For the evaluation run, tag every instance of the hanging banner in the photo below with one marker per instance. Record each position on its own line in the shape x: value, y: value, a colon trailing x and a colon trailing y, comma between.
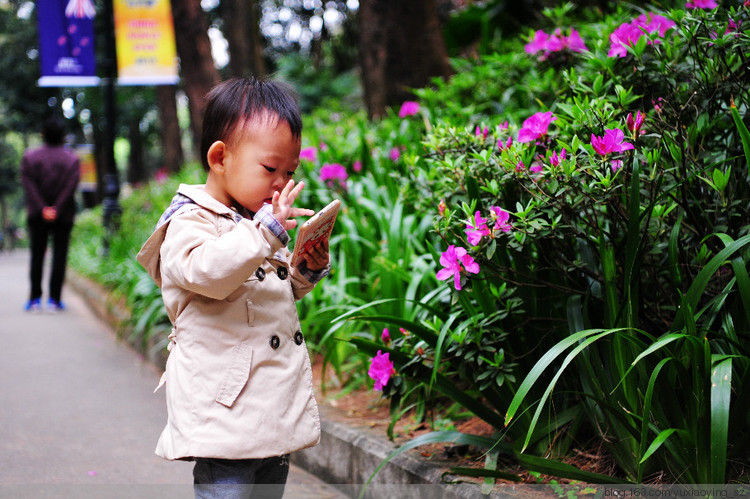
x: 66, y: 43
x: 144, y: 33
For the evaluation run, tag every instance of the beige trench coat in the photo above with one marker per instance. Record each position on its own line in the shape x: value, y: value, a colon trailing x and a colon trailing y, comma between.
x: 238, y: 377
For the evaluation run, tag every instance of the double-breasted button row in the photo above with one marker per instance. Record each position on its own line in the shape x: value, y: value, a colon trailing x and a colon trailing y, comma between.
x: 275, y: 341
x: 282, y: 272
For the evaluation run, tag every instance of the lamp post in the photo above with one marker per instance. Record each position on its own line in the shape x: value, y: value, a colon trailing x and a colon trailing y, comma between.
x: 110, y: 204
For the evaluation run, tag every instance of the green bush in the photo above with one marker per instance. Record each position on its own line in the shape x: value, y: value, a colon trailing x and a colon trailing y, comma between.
x: 624, y: 250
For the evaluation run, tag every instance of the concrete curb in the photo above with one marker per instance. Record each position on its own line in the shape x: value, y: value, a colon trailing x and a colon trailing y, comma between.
x: 346, y: 454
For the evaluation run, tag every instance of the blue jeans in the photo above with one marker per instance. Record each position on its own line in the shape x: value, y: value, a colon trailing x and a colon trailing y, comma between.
x: 240, y: 478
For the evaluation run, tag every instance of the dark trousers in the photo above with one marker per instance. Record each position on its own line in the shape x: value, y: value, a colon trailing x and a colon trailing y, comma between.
x: 39, y: 234
x: 240, y: 478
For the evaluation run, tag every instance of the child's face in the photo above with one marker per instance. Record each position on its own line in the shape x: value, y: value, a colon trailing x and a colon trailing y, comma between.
x: 259, y: 161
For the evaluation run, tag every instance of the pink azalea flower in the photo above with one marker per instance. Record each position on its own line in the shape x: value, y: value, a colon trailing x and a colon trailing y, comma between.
x: 535, y: 126
x: 536, y: 168
x: 505, y: 125
x: 501, y: 219
x: 635, y: 124
x: 309, y: 154
x: 357, y: 166
x: 612, y: 141
x: 701, y: 4
x: 627, y: 34
x: 385, y: 336
x: 476, y: 229
x: 574, y: 41
x: 394, y: 154
x: 381, y: 370
x: 538, y: 43
x: 483, y: 133
x: 456, y: 260
x: 507, y: 144
x: 616, y: 165
x: 555, y: 160
x: 408, y: 108
x: 520, y: 166
x: 332, y: 174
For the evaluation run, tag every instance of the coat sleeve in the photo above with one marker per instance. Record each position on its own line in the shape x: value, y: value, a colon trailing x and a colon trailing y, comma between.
x: 34, y: 200
x: 67, y: 190
x: 197, y: 257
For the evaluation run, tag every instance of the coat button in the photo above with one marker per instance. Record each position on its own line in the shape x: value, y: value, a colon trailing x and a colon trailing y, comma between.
x: 275, y: 342
x: 282, y: 272
x: 298, y: 338
x: 260, y: 274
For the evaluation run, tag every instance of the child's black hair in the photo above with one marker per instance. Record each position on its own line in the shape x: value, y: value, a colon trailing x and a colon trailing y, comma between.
x: 236, y: 101
x: 53, y: 132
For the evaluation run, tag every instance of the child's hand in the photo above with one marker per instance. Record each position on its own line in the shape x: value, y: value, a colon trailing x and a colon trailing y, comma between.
x: 282, y: 205
x: 317, y: 257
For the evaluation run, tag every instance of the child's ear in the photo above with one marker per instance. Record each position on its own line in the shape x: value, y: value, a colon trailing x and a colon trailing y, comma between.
x: 216, y: 156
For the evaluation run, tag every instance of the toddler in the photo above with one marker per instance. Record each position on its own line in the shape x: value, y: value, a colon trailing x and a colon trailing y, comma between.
x: 238, y: 378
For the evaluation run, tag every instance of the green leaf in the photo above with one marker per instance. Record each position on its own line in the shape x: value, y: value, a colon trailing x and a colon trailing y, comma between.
x: 564, y: 470
x: 721, y: 394
x: 743, y: 131
x: 659, y: 440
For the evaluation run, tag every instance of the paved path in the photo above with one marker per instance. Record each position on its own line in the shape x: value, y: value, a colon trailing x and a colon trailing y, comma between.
x: 78, y: 418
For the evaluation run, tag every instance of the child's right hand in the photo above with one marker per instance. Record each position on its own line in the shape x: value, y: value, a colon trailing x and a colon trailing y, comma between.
x: 282, y: 205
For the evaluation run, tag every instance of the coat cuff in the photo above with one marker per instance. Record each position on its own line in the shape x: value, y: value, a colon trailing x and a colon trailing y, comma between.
x: 265, y: 216
x: 314, y: 276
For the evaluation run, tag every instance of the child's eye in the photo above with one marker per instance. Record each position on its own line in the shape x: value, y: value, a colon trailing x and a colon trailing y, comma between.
x: 291, y: 173
x: 269, y: 169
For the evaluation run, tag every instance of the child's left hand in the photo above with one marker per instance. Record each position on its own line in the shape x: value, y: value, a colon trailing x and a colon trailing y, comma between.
x: 317, y: 257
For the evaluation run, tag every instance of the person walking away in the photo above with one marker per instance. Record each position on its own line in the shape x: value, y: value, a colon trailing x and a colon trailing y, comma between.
x: 238, y: 378
x: 50, y: 175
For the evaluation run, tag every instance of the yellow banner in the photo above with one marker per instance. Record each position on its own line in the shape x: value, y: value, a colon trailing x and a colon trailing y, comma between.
x: 144, y: 34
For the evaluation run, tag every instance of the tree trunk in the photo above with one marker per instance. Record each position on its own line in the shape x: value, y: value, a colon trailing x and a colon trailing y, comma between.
x: 197, y: 69
x: 401, y: 48
x: 166, y: 98
x: 242, y: 31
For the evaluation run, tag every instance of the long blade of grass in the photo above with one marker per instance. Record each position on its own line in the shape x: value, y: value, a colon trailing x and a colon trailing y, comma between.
x: 646, y: 415
x: 542, y: 364
x: 743, y: 131
x: 698, y: 286
x: 721, y: 393
x: 563, y: 470
x: 660, y: 439
x: 568, y: 359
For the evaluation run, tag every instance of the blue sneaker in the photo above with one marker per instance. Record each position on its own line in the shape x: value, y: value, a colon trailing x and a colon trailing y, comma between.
x: 55, y: 306
x: 34, y: 305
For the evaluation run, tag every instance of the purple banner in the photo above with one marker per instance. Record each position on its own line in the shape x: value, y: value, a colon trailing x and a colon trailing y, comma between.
x: 66, y: 43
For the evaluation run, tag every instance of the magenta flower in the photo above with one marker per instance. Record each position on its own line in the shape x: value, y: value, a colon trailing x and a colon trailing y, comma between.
x: 476, y: 229
x: 635, y: 124
x: 535, y: 126
x: 309, y: 154
x: 612, y: 141
x: 394, y: 154
x: 507, y: 144
x: 520, y: 166
x: 385, y: 336
x: 557, y: 42
x: 556, y: 159
x: 483, y: 133
x: 536, y: 168
x: 381, y: 370
x: 332, y: 174
x: 357, y: 166
x: 538, y: 43
x: 456, y: 260
x: 501, y: 219
x: 408, y: 108
x: 616, y: 165
x: 627, y: 34
x: 701, y: 4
